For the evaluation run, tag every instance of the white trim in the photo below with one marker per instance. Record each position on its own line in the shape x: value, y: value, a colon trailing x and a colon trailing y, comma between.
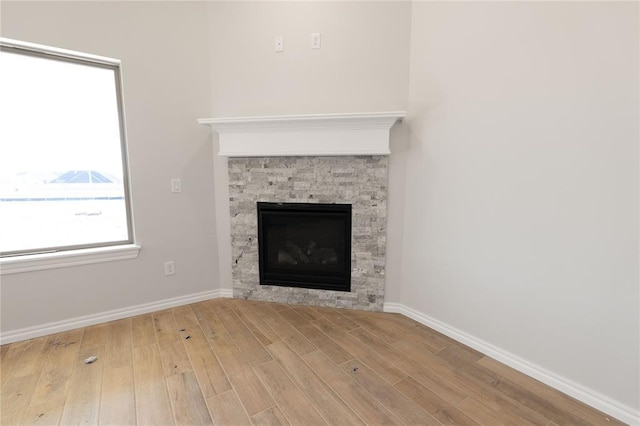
x: 226, y: 293
x: 305, y: 135
x: 64, y: 259
x: 301, y: 153
x: 310, y: 121
x: 55, y: 51
x: 577, y: 391
x: 87, y: 320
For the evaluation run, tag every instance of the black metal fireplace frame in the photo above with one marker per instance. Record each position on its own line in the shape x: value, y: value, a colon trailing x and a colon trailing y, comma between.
x: 323, y: 281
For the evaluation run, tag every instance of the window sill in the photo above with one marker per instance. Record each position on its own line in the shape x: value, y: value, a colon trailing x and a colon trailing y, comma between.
x: 64, y: 259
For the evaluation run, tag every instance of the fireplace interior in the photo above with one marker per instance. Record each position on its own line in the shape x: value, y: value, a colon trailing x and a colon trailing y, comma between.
x: 305, y: 245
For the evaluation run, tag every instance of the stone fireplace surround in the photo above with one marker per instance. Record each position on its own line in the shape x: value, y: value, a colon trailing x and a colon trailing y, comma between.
x: 338, y: 158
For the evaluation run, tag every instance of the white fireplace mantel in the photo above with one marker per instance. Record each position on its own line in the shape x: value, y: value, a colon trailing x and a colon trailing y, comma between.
x: 305, y: 135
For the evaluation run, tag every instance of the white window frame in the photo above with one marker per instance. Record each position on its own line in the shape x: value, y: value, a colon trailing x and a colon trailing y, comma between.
x: 65, y: 256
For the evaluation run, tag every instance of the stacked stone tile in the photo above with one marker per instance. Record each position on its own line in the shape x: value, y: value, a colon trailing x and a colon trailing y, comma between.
x: 357, y: 180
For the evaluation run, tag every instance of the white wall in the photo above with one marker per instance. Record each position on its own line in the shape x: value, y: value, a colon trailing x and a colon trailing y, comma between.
x: 362, y: 66
x: 163, y: 48
x: 521, y: 204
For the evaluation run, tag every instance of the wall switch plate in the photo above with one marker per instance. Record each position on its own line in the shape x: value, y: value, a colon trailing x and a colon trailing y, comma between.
x: 176, y: 185
x: 316, y: 39
x: 279, y: 44
x: 169, y: 268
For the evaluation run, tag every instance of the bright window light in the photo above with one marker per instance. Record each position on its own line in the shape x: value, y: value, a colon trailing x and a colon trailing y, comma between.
x: 63, y: 168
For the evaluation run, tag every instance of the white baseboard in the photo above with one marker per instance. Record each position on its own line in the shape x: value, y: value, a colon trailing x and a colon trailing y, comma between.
x: 579, y: 392
x: 72, y: 323
x: 226, y: 292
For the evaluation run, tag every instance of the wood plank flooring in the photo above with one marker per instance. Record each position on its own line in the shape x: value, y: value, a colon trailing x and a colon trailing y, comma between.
x: 237, y: 362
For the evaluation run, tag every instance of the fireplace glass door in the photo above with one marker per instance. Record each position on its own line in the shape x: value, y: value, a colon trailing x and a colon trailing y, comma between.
x: 305, y: 245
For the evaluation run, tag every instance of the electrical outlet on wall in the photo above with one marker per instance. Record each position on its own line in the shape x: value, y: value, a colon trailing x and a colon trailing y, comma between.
x: 176, y: 185
x: 316, y: 40
x: 279, y: 44
x: 169, y: 268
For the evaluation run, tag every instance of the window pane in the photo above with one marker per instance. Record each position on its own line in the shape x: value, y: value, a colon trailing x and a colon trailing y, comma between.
x: 62, y: 180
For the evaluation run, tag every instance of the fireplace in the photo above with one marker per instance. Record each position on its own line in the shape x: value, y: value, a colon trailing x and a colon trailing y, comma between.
x: 305, y: 245
x: 319, y: 159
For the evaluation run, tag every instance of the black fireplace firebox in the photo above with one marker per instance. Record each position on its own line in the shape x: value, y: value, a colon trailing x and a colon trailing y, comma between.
x: 305, y: 245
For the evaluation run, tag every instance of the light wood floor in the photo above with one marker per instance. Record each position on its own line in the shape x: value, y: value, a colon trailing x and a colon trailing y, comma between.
x: 236, y: 362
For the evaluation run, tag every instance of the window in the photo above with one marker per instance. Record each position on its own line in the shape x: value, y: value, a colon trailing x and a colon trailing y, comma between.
x: 63, y: 163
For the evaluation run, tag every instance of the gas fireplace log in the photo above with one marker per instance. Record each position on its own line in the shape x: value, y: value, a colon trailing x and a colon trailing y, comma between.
x: 324, y: 256
x: 285, y: 258
x: 296, y: 252
x: 313, y: 255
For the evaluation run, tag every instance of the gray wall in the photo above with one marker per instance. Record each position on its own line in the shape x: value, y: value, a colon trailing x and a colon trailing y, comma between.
x: 521, y: 203
x: 163, y: 47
